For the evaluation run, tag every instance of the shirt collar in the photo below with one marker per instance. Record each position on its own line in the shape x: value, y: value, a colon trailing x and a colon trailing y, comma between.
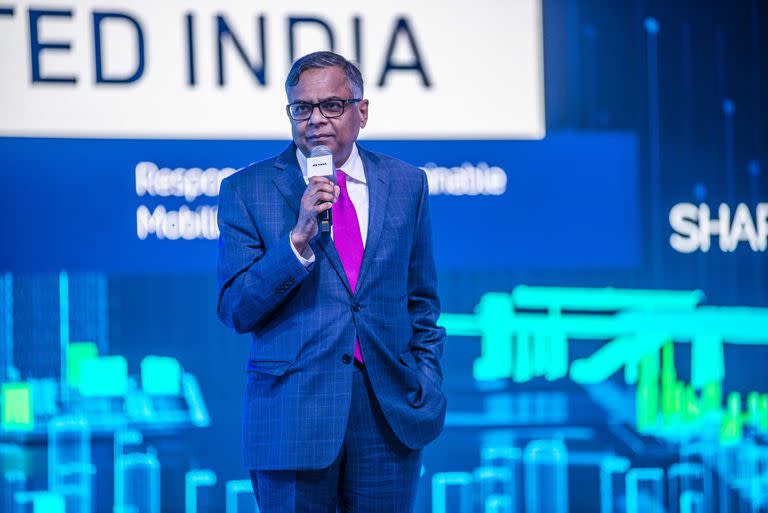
x: 353, y: 167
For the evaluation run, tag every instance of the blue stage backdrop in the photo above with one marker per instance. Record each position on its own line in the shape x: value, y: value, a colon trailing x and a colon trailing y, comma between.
x: 600, y: 222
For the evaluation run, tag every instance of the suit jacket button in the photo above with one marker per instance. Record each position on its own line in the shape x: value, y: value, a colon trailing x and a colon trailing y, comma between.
x: 346, y: 358
x: 356, y: 307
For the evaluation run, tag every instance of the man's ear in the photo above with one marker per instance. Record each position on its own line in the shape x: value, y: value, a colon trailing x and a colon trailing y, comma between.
x: 362, y: 107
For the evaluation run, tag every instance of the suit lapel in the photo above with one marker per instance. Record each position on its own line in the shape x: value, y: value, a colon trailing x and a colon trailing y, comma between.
x: 378, y: 192
x: 325, y: 243
x: 290, y: 183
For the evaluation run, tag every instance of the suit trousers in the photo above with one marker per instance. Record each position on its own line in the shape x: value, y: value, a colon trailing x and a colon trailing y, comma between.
x: 373, y: 473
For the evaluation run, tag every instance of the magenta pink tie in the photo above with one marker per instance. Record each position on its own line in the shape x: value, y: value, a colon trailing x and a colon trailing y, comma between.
x: 347, y: 238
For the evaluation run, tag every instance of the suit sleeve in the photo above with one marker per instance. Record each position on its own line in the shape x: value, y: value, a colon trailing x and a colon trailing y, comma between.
x: 253, y: 279
x: 423, y: 304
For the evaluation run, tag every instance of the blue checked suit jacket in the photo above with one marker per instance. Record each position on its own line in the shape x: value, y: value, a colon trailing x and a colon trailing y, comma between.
x: 303, y: 321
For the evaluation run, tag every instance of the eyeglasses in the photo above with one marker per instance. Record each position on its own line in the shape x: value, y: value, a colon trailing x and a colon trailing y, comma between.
x: 302, y: 111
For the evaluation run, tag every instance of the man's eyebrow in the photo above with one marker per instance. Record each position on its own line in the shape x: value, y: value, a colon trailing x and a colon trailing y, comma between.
x: 320, y: 101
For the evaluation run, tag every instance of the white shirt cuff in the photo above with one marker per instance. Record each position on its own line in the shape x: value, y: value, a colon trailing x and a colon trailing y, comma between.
x: 306, y: 262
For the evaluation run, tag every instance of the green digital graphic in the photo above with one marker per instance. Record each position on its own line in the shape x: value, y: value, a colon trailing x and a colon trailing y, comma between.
x: 526, y: 335
x: 78, y: 353
x: 17, y: 410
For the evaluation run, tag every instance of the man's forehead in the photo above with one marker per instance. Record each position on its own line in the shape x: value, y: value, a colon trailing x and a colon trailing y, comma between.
x: 319, y: 84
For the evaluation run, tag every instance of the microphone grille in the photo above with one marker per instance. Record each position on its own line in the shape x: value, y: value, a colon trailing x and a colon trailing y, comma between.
x: 320, y: 151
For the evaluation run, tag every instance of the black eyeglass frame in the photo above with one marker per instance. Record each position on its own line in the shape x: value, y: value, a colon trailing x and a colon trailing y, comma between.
x: 318, y: 105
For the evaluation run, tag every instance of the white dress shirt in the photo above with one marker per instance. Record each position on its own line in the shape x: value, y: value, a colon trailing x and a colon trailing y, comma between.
x: 357, y: 187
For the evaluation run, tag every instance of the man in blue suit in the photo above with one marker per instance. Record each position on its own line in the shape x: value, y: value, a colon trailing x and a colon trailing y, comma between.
x: 344, y: 376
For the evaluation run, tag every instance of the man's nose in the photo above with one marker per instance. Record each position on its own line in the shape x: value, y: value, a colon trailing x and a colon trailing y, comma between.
x: 316, y: 117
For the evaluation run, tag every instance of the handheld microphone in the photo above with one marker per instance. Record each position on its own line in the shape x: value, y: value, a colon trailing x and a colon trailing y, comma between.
x: 320, y: 163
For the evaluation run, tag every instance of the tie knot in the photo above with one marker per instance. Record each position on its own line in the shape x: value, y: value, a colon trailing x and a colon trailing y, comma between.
x: 341, y: 178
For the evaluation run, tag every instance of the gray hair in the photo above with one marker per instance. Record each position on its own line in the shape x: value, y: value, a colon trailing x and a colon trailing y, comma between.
x: 317, y: 60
